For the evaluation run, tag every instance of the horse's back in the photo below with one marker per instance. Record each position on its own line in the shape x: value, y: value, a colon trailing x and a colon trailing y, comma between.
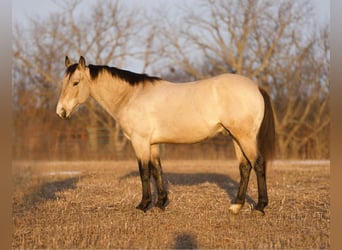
x: 228, y: 87
x: 232, y: 93
x: 223, y: 95
x: 234, y: 84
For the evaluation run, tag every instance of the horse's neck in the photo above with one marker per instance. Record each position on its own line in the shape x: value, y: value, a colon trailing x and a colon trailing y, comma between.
x: 112, y: 96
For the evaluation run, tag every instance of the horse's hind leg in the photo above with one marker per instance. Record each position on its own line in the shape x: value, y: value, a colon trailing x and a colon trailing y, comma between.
x: 247, y: 152
x: 245, y: 170
x: 157, y: 173
x: 260, y: 170
x: 239, y: 201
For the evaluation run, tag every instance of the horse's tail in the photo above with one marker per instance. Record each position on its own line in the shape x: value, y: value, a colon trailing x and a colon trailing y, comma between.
x: 266, y: 135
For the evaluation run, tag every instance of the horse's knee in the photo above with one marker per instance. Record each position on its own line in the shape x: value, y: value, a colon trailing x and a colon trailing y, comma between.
x: 144, y: 171
x: 155, y: 159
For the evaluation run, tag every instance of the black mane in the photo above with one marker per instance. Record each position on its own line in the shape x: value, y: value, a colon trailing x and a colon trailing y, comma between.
x: 128, y: 76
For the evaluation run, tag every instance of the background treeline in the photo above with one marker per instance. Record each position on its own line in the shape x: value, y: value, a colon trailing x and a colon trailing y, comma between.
x: 277, y: 43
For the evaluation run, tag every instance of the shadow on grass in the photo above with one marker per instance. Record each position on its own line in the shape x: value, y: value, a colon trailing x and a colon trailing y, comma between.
x: 185, y: 241
x: 49, y: 190
x: 225, y: 182
x: 46, y: 191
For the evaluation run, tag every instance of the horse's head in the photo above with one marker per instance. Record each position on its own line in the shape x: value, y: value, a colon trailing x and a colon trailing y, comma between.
x: 75, y: 88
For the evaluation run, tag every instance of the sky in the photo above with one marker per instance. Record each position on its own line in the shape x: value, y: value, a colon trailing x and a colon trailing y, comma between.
x: 22, y: 9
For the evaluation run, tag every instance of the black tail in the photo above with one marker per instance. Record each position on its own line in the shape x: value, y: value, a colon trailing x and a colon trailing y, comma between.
x: 266, y: 135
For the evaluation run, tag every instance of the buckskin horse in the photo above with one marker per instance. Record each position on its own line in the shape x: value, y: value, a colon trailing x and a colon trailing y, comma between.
x: 152, y: 111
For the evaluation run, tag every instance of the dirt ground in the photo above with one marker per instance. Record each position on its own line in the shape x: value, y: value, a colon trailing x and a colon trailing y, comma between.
x: 92, y: 205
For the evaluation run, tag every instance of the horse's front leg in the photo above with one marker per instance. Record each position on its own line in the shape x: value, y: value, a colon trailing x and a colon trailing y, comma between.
x: 145, y: 173
x: 142, y: 150
x: 157, y: 173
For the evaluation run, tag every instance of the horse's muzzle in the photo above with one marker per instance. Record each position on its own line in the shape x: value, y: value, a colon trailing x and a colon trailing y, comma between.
x: 62, y: 114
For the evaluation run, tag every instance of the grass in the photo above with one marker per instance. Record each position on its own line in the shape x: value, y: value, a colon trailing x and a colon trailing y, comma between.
x: 95, y: 208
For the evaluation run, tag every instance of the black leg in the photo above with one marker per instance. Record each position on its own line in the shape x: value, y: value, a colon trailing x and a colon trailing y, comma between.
x: 260, y: 170
x: 245, y: 170
x: 145, y: 173
x: 157, y: 173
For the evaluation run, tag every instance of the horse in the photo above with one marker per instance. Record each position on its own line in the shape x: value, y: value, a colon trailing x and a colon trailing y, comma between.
x: 153, y: 111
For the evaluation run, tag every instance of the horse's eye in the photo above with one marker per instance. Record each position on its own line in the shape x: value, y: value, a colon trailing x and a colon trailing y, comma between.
x: 75, y: 84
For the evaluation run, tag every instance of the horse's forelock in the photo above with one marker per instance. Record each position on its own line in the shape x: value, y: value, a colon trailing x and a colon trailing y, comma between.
x: 71, y: 69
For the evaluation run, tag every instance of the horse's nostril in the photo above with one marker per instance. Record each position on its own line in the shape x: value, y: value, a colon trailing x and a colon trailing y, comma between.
x: 62, y: 114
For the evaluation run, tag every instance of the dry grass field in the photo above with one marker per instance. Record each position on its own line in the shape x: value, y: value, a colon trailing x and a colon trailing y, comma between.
x: 92, y: 205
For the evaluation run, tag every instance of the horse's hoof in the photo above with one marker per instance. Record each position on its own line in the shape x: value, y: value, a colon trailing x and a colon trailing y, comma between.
x: 235, y: 208
x: 140, y: 207
x: 143, y: 206
x: 259, y: 209
x: 162, y: 203
x: 161, y: 207
x: 258, y: 212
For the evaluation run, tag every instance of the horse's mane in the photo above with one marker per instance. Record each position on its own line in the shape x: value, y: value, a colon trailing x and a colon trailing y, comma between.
x: 128, y: 76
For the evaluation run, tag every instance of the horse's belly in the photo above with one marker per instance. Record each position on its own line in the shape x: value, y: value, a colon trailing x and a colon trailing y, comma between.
x: 185, y: 134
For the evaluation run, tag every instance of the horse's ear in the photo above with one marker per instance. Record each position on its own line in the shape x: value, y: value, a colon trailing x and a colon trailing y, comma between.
x: 82, y: 62
x: 67, y: 61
